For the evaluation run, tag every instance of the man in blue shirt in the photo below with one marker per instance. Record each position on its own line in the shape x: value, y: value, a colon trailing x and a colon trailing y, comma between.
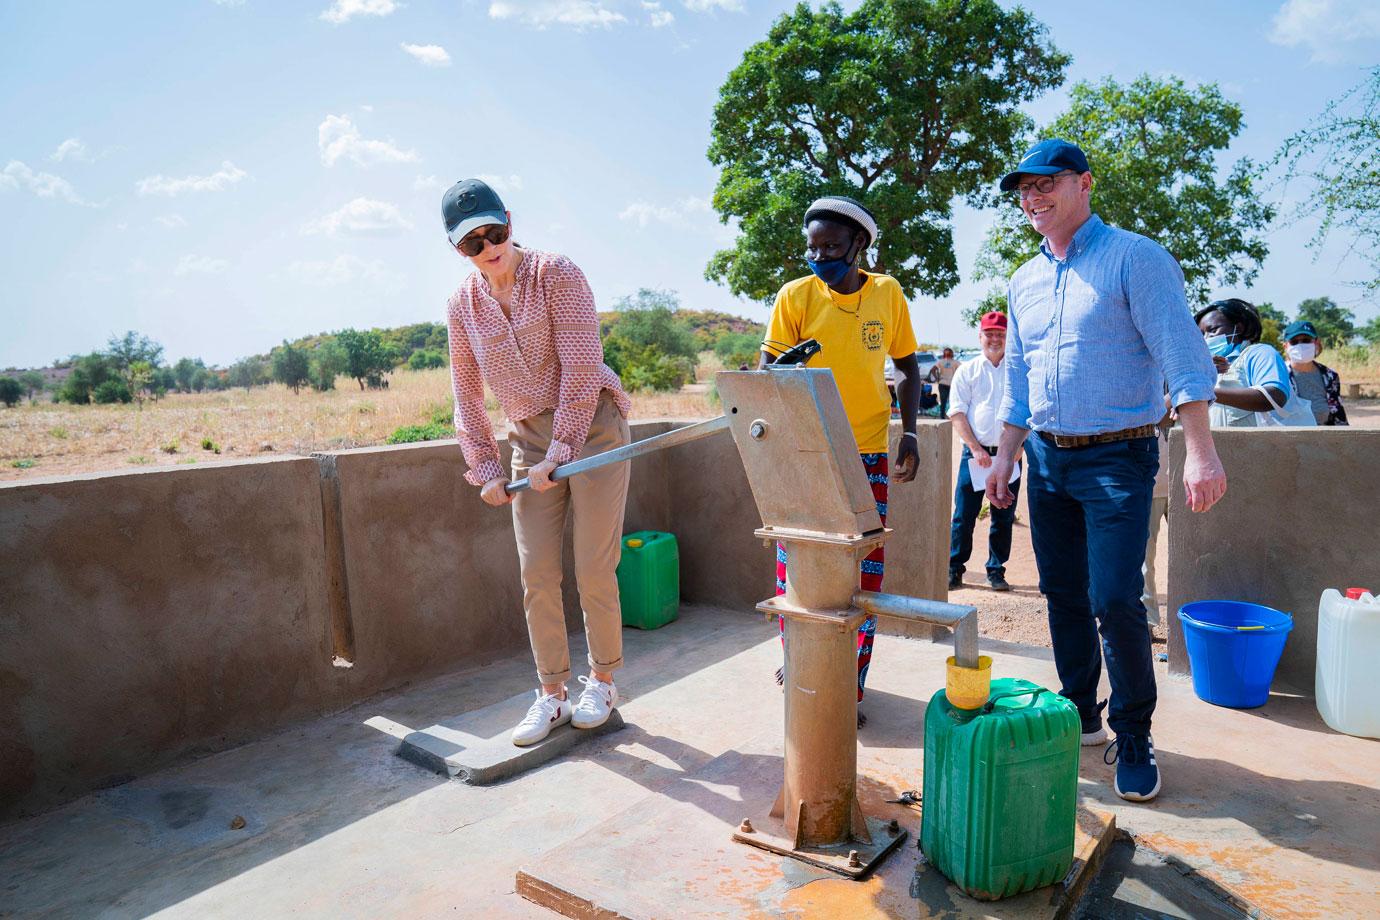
x: 1099, y: 328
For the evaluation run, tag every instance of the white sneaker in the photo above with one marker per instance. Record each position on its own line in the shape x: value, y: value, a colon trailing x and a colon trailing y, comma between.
x: 548, y: 712
x: 1088, y: 739
x: 597, y: 700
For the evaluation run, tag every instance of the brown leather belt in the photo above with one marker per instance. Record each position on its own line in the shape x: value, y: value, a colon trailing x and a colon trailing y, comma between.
x: 1107, y: 437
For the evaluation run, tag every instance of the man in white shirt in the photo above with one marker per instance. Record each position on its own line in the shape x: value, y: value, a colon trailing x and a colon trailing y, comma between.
x: 978, y: 388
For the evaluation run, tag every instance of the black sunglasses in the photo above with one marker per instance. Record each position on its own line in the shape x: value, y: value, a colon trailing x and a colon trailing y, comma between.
x: 473, y: 244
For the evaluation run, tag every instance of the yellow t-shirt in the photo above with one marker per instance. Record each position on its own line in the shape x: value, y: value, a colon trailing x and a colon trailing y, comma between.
x: 856, y: 333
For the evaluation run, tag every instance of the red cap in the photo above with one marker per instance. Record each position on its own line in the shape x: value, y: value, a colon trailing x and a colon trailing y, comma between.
x: 993, y: 320
x: 1354, y: 594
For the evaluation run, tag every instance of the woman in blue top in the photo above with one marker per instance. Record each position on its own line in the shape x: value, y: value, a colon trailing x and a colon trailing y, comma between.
x: 1253, y: 379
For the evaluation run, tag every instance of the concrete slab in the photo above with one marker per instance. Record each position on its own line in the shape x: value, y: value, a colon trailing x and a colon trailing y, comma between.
x: 1267, y: 804
x: 656, y: 858
x: 477, y: 747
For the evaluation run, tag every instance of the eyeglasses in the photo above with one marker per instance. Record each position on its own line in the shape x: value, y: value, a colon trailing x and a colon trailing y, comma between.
x: 1044, y: 185
x: 473, y: 244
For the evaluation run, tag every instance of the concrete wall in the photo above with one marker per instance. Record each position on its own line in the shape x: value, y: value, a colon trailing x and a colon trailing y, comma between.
x: 146, y: 615
x: 1301, y: 514
x: 151, y: 614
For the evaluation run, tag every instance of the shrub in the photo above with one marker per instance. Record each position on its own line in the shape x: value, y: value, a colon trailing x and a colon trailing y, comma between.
x: 425, y: 360
x: 111, y: 391
x: 411, y: 434
x: 24, y: 463
x: 208, y: 444
x: 11, y: 391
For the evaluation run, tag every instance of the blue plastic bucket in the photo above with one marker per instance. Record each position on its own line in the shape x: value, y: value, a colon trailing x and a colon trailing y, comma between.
x: 1233, y: 648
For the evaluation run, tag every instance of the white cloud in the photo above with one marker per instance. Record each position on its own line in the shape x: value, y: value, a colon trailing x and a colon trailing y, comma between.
x: 430, y: 55
x: 227, y: 175
x: 427, y: 184
x: 345, y: 10
x: 338, y: 137
x: 643, y: 213
x: 45, y: 185
x: 578, y: 14
x: 363, y: 216
x: 71, y: 149
x: 658, y: 16
x: 345, y: 269
x: 171, y: 221
x: 501, y: 184
x: 704, y: 6
x: 200, y: 265
x: 1328, y: 28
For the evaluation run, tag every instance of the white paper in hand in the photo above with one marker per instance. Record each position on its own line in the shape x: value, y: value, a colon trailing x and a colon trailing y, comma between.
x: 979, y: 474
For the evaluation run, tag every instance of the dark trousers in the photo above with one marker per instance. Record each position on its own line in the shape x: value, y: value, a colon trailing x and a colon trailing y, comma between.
x: 967, y: 504
x: 943, y: 400
x: 1089, y: 520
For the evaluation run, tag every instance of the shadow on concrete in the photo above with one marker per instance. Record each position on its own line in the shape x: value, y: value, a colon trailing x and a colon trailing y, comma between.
x: 1326, y: 819
x: 1294, y: 709
x: 1136, y: 883
x: 164, y: 838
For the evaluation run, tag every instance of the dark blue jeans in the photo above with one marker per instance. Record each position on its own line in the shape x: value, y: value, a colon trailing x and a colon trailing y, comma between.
x: 1089, y: 520
x: 967, y: 504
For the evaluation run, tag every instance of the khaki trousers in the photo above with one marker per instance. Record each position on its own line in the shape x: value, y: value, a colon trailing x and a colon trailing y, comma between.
x: 597, y: 499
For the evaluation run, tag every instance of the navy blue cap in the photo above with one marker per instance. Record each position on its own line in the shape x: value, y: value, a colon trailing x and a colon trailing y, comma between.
x: 1045, y: 159
x: 1300, y: 327
x: 468, y: 204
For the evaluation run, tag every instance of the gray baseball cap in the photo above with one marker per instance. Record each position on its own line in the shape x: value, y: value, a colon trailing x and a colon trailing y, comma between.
x: 468, y: 204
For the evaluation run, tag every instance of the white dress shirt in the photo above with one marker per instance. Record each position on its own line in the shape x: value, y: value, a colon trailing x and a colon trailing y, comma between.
x: 978, y: 389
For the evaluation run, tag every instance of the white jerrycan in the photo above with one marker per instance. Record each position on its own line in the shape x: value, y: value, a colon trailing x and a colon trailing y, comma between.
x: 1347, y: 679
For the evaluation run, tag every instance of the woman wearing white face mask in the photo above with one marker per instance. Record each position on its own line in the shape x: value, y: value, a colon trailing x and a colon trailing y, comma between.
x: 1253, y: 381
x: 1314, y: 382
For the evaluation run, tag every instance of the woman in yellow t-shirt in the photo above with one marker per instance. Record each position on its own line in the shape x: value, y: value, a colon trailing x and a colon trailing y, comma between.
x: 859, y: 319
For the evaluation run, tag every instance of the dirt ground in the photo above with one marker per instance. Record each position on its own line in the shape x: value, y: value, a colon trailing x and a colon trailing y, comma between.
x: 1019, y: 616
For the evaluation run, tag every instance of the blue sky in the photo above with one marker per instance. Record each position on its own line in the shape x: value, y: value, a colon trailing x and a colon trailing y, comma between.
x: 223, y: 174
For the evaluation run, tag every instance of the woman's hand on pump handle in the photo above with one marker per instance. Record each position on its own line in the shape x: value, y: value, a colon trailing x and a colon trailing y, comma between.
x: 493, y: 492
x: 540, y: 475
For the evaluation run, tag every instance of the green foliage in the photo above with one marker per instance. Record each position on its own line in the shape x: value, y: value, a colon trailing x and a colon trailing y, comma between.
x: 33, y: 383
x: 60, y: 433
x: 24, y: 463
x: 1268, y: 310
x: 647, y: 344
x: 432, y: 431
x: 737, y: 348
x: 328, y: 362
x: 1336, y: 325
x: 88, y: 373
x: 11, y: 391
x: 171, y: 447
x: 904, y: 104
x: 111, y: 391
x: 1152, y: 146
x: 425, y: 359
x: 134, y: 358
x: 994, y: 299
x: 1371, y: 331
x: 368, y: 358
x: 248, y: 372
x: 139, y: 460
x: 290, y: 366
x: 208, y: 444
x: 1338, y: 158
x: 185, y: 372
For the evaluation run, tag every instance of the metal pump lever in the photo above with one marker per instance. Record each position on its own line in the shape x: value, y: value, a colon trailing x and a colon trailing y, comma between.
x: 629, y: 451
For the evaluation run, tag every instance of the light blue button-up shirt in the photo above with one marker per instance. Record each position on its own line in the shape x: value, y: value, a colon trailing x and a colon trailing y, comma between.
x: 1095, y: 336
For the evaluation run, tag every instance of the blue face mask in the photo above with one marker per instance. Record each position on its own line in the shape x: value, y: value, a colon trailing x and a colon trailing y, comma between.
x: 830, y: 271
x: 1220, y: 346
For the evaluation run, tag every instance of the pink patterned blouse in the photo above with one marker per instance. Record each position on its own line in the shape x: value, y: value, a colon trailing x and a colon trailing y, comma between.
x: 548, y: 356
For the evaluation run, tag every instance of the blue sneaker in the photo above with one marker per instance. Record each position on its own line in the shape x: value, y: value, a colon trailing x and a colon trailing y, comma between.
x: 1137, y: 777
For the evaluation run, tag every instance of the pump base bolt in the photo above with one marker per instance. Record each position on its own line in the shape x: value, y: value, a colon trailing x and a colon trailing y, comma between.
x: 745, y: 827
x: 853, y: 861
x: 894, y: 827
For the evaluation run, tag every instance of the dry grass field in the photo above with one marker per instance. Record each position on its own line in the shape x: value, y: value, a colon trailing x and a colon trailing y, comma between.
x: 48, y: 439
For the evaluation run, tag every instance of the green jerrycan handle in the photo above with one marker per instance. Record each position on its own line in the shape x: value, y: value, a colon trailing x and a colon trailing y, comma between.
x: 991, y: 703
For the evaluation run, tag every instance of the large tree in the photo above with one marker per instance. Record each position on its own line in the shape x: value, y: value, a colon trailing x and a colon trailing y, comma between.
x: 1336, y: 325
x: 1152, y: 146
x: 1337, y: 160
x: 904, y: 104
